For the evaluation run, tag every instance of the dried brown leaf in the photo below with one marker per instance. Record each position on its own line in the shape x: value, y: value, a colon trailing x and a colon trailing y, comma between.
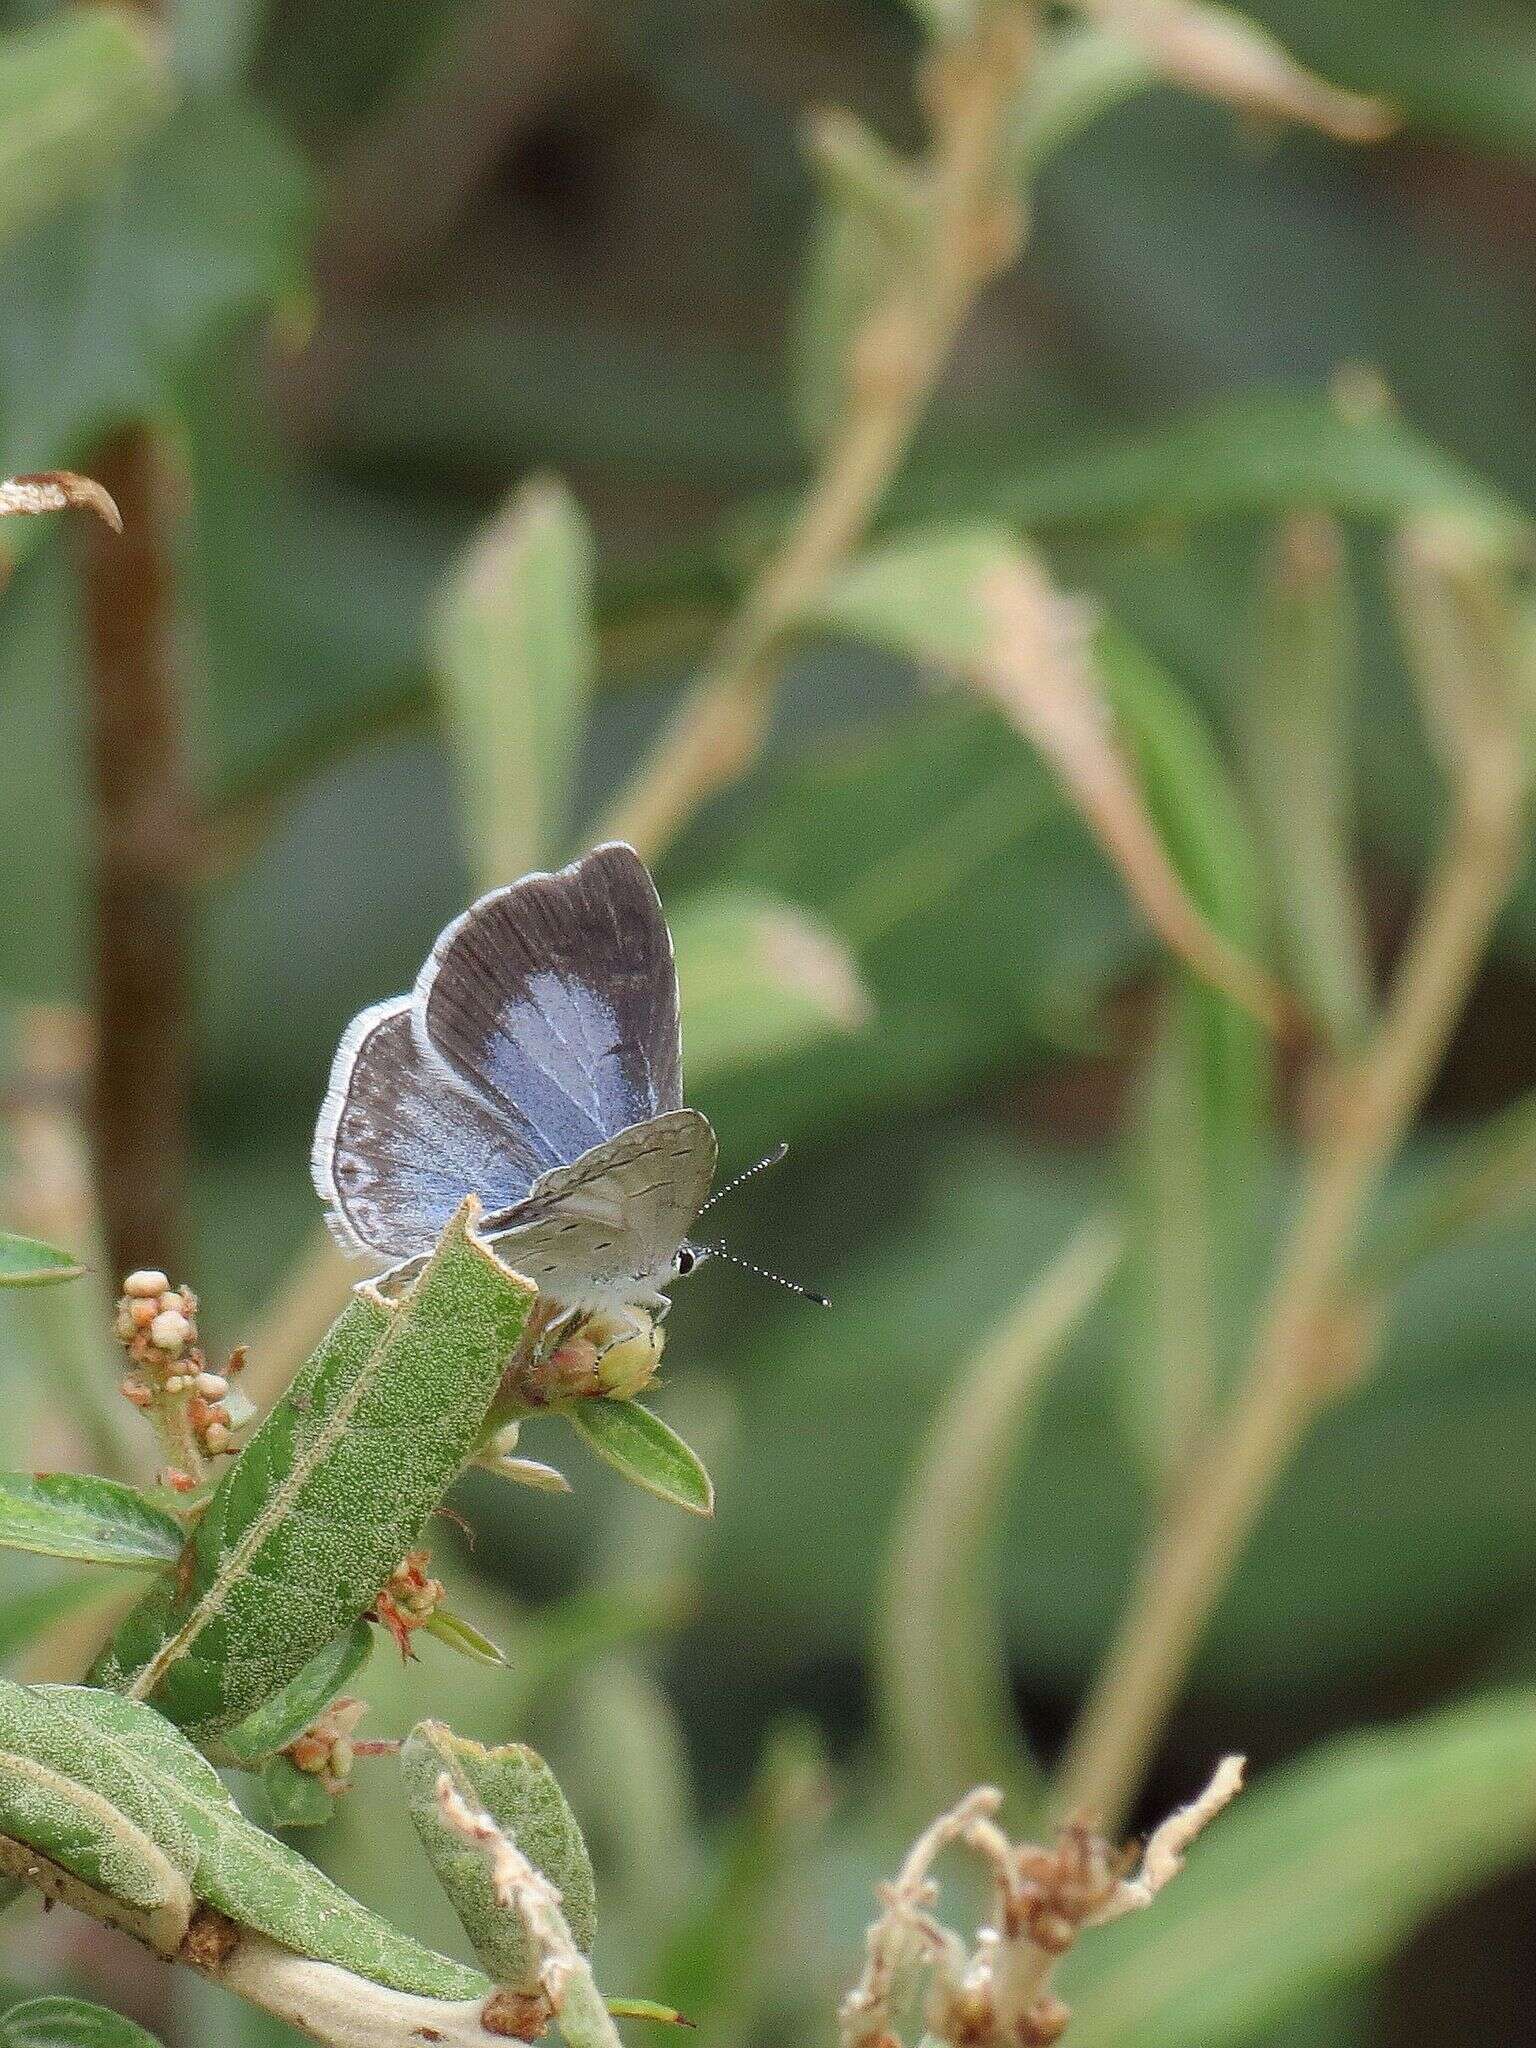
x: 1039, y: 668
x: 57, y: 490
x: 1214, y: 50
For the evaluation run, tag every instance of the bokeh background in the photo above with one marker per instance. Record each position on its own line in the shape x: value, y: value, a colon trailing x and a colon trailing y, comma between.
x: 380, y: 266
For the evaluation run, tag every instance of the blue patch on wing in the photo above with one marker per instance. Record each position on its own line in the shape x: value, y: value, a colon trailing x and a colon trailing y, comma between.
x: 555, y: 1002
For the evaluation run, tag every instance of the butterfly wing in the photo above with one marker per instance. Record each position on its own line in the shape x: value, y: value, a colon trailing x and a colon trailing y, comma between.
x: 617, y: 1215
x: 399, y: 1143
x: 555, y: 1001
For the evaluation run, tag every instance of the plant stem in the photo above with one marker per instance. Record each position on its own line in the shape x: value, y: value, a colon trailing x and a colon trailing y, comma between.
x: 1296, y: 1366
x: 329, y: 2004
x: 972, y: 230
x: 142, y: 834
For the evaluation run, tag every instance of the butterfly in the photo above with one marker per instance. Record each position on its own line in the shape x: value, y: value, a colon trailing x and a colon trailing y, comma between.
x: 537, y: 1064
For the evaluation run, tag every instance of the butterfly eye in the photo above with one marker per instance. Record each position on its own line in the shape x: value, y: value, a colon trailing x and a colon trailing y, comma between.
x: 685, y: 1261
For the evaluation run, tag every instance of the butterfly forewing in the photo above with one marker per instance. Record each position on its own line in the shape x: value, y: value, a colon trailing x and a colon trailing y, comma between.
x: 616, y: 1214
x: 555, y: 1000
x: 399, y: 1144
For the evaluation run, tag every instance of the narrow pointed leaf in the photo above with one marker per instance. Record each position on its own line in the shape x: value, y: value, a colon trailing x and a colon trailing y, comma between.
x: 284, y: 1717
x: 69, y: 2023
x: 515, y: 656
x: 648, y: 2009
x: 519, y: 1791
x: 68, y: 1514
x: 107, y: 1788
x: 649, y: 1454
x: 944, y: 1689
x: 1298, y: 729
x: 28, y: 1262
x: 463, y: 1636
x: 329, y: 1495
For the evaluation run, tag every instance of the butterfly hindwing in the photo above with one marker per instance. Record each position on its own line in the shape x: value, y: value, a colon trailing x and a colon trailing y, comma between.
x: 399, y: 1144
x: 618, y: 1212
x: 555, y: 1000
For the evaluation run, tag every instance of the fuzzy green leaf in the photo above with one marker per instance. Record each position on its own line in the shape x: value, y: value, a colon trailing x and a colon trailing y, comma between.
x: 641, y: 1446
x: 69, y: 1514
x: 516, y: 657
x: 107, y: 1788
x: 28, y: 1262
x: 329, y: 1495
x: 519, y: 1791
x: 279, y: 1720
x: 76, y: 94
x: 296, y: 1798
x: 69, y: 2023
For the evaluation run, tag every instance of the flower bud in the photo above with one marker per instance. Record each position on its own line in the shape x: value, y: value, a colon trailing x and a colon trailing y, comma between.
x: 148, y: 1284
x: 169, y: 1330
x: 628, y: 1367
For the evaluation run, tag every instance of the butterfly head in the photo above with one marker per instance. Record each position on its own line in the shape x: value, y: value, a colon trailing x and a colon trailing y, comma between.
x: 687, y: 1256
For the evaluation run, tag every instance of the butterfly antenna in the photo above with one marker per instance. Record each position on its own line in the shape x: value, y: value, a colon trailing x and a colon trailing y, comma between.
x: 719, y: 1251
x: 771, y: 1159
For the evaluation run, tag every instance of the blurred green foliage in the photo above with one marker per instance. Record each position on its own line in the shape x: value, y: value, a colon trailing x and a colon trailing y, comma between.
x: 368, y: 280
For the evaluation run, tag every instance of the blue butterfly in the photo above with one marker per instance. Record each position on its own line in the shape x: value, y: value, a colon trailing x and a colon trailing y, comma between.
x: 537, y: 1064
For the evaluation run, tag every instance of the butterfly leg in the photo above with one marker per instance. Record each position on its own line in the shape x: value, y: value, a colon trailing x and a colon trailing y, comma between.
x: 630, y: 1325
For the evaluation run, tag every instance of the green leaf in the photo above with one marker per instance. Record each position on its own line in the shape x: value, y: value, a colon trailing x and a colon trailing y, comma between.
x: 971, y: 598
x: 759, y: 978
x: 1298, y: 734
x: 648, y: 2009
x: 106, y: 307
x: 943, y: 1667
x: 516, y: 658
x: 519, y: 1791
x: 69, y: 2023
x: 68, y: 1514
x: 1198, y: 1142
x: 286, y: 1715
x: 28, y: 1262
x: 329, y: 1494
x: 1318, y: 1873
x: 1083, y: 70
x: 296, y: 1798
x: 107, y: 1788
x: 463, y: 1636
x: 639, y: 1445
x: 1265, y: 451
x: 77, y: 92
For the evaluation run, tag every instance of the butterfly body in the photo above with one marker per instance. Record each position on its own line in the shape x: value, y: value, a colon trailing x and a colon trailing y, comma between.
x: 537, y: 1064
